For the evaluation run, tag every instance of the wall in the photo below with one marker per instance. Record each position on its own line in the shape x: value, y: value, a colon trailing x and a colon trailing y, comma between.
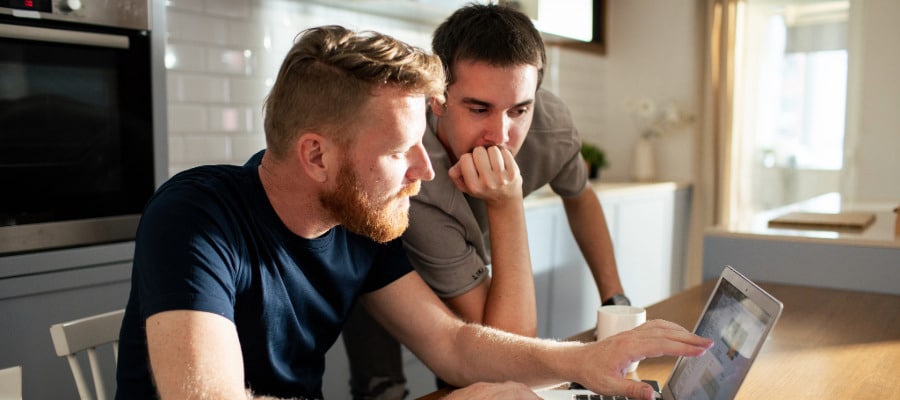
x: 652, y: 53
x: 875, y: 119
x: 223, y: 56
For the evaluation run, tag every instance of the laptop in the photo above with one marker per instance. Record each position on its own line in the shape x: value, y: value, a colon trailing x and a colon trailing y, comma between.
x: 739, y: 315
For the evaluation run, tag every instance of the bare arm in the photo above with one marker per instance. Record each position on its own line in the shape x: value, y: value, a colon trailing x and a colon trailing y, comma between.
x: 588, y: 224
x: 506, y: 300
x: 196, y: 355
x: 464, y: 353
x: 460, y: 353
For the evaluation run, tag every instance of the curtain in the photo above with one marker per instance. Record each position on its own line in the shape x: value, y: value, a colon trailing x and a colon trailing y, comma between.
x: 712, y: 202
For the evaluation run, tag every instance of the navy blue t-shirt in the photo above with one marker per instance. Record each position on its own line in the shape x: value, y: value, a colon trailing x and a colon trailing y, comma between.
x: 209, y: 240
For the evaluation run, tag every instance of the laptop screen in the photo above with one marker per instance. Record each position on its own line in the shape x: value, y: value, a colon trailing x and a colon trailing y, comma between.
x: 738, y: 326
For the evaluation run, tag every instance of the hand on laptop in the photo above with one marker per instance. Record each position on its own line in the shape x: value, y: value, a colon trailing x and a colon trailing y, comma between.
x: 606, y: 361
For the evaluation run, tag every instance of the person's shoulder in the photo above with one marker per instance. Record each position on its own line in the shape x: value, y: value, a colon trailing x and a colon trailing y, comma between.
x: 205, y: 176
x: 439, y: 192
x: 550, y: 113
x: 546, y: 97
x: 206, y: 185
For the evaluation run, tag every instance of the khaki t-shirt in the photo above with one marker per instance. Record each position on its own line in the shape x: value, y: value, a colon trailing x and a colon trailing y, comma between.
x: 448, y: 241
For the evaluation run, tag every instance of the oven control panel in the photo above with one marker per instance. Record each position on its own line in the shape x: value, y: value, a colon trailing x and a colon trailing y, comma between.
x: 133, y: 14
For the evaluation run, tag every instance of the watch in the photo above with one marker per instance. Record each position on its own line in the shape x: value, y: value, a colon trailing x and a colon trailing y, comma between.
x: 617, y: 300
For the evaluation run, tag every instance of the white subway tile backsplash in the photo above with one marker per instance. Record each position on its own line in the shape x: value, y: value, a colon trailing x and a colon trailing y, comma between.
x: 229, y: 61
x: 242, y: 147
x: 228, y: 8
x: 185, y: 118
x: 176, y: 149
x: 190, y: 5
x: 173, y: 87
x: 195, y: 28
x: 186, y: 57
x: 248, y: 33
x: 203, y: 88
x: 250, y: 91
x: 207, y: 149
x: 231, y: 119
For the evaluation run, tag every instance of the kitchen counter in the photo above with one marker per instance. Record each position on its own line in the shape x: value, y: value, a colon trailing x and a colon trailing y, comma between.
x: 545, y: 195
x: 879, y: 234
x: 866, y: 260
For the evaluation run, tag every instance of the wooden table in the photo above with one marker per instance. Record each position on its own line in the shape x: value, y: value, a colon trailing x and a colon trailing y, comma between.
x: 828, y: 344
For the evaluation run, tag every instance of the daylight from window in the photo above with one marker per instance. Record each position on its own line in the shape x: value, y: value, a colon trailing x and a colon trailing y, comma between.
x: 791, y: 101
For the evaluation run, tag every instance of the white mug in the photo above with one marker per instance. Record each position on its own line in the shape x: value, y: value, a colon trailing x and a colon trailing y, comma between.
x: 614, y: 319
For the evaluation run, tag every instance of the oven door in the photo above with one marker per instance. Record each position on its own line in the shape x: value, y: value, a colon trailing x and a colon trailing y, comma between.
x: 76, y: 145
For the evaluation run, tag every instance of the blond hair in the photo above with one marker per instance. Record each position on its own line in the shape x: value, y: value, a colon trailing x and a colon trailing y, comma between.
x: 329, y: 75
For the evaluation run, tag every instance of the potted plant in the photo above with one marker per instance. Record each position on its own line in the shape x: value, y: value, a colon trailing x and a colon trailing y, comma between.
x: 595, y: 158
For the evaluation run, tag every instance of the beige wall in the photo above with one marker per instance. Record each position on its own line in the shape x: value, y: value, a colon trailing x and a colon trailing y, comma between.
x: 653, y: 53
x: 875, y: 120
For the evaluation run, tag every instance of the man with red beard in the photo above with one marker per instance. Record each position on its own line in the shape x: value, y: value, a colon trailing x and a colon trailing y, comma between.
x: 244, y: 275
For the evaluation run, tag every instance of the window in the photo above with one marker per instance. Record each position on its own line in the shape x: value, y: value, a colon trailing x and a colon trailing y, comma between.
x: 790, y: 101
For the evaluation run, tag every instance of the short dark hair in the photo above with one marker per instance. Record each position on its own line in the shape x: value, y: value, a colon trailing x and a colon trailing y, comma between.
x: 491, y: 33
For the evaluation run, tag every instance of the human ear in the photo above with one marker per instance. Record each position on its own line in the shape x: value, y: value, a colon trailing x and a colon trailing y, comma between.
x: 316, y: 156
x: 437, y: 107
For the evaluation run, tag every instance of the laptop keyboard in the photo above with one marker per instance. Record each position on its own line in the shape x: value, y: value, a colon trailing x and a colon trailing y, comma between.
x: 575, y: 385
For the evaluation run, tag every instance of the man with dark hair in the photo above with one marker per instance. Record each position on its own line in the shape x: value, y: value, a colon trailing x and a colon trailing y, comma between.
x: 496, y: 138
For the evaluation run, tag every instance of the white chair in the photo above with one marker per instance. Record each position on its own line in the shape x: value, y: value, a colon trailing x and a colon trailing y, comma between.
x: 70, y: 338
x: 11, y: 383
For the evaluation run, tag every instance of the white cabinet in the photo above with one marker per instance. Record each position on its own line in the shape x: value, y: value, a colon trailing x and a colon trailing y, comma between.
x: 565, y: 290
x: 649, y: 229
x: 43, y: 288
x: 648, y: 226
x: 642, y: 231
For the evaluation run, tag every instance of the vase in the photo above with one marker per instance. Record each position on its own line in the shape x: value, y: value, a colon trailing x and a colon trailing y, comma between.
x: 644, y: 168
x: 593, y: 170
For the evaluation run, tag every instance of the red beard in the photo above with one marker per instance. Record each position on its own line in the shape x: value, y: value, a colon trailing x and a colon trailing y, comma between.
x: 351, y: 205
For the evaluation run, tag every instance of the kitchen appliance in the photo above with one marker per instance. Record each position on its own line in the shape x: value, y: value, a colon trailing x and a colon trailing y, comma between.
x: 76, y: 122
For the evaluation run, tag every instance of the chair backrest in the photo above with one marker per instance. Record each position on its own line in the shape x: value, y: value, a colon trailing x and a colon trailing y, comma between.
x: 86, y: 334
x: 11, y: 383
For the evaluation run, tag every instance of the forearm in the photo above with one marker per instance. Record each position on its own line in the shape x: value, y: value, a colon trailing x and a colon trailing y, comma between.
x: 486, y: 354
x: 600, y: 366
x: 510, y: 304
x: 506, y: 300
x: 588, y: 224
x: 462, y: 353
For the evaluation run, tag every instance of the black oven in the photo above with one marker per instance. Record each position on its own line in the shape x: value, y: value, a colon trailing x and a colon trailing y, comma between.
x: 76, y: 131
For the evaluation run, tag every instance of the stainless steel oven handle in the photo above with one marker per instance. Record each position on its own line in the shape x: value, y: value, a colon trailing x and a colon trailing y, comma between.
x: 67, y: 37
